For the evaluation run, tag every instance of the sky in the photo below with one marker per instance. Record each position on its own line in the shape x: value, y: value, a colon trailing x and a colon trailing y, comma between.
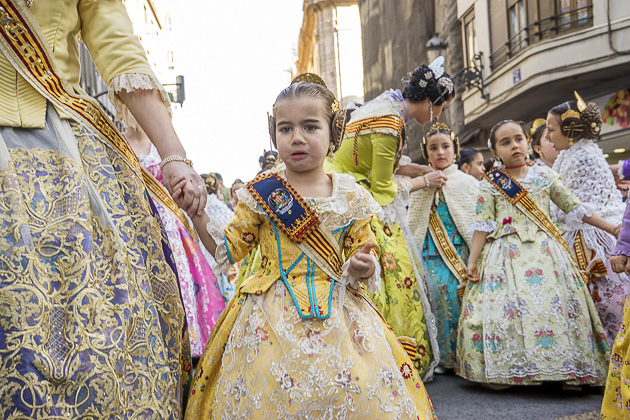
x: 236, y: 57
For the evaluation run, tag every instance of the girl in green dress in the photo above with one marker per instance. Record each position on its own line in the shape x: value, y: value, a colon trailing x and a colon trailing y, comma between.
x: 372, y: 153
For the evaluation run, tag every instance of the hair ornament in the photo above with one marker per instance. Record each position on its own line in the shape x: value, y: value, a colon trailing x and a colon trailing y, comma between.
x: 440, y: 127
x: 422, y: 83
x: 428, y: 75
x: 538, y: 122
x: 581, y: 105
x: 437, y: 67
x: 446, y: 83
x: 570, y: 114
x: 335, y: 106
x: 309, y: 77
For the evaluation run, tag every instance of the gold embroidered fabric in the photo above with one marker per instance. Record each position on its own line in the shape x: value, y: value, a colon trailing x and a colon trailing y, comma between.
x: 91, y: 319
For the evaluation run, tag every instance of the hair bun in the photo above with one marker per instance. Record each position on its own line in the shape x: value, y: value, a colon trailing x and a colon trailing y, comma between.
x: 592, y: 119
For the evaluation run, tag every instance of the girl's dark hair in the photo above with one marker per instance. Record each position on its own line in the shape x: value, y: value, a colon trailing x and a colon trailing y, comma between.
x: 422, y: 83
x: 492, y: 140
x: 536, y: 138
x: 467, y: 155
x: 237, y: 181
x: 337, y: 117
x: 578, y: 125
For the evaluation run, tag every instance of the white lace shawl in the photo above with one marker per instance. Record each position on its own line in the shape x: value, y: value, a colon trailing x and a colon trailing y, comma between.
x: 586, y: 173
x: 461, y: 192
x: 349, y: 201
x: 379, y: 106
x: 130, y: 82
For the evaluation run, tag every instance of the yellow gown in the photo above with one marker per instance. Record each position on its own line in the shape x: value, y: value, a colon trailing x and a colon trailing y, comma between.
x: 269, y: 357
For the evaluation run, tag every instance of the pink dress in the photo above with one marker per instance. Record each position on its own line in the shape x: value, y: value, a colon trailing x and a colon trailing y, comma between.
x: 201, y: 296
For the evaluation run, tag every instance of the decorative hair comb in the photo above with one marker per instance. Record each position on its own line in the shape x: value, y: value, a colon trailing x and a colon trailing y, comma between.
x: 538, y: 122
x: 309, y: 77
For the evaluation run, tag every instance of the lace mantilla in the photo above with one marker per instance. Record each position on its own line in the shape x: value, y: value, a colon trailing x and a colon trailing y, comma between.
x: 586, y: 173
x: 348, y: 201
x: 128, y: 83
x: 379, y: 106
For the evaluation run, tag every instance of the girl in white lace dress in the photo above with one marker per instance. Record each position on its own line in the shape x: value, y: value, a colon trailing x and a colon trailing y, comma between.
x: 584, y: 170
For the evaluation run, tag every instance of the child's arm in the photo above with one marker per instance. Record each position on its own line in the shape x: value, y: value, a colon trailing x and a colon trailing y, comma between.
x: 200, y: 223
x: 362, y: 264
x: 620, y: 261
x: 479, y: 240
x: 598, y: 222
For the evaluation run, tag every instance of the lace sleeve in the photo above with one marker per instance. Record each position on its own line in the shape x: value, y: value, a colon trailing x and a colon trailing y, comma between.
x: 215, y: 230
x: 482, y: 227
x: 129, y: 83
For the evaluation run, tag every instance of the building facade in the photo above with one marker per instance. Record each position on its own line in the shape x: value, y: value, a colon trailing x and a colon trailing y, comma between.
x: 535, y: 53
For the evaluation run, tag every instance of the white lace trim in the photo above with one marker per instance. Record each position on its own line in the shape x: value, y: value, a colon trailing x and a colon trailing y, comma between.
x: 396, y: 211
x: 483, y: 227
x: 573, y: 219
x: 130, y: 82
x: 585, y: 172
x: 379, y: 106
x: 348, y: 201
x: 373, y: 283
x: 404, y: 161
x: 215, y: 230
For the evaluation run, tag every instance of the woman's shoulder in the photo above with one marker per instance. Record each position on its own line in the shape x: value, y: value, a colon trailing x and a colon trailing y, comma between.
x: 380, y: 106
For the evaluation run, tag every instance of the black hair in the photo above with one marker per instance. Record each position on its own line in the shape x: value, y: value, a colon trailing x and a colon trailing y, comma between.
x: 422, y: 83
x: 536, y: 139
x: 578, y: 125
x: 467, y: 155
x: 492, y: 141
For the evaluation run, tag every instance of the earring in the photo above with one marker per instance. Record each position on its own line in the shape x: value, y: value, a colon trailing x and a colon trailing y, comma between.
x: 431, y: 111
x: 498, y: 163
x: 530, y: 151
x: 331, y: 153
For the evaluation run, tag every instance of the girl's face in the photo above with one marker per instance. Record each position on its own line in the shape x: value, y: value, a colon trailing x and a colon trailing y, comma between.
x: 546, y: 150
x: 440, y: 151
x: 555, y: 134
x: 302, y: 133
x: 475, y: 168
x: 510, y: 144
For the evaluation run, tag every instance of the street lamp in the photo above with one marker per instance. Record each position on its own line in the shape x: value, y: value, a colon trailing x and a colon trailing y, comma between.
x: 436, y: 47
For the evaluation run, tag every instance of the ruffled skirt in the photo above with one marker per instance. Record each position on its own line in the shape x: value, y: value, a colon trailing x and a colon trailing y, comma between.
x: 530, y: 318
x: 264, y: 361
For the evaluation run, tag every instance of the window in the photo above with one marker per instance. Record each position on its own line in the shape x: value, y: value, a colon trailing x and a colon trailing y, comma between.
x: 573, y: 13
x: 470, y: 40
x: 517, y: 21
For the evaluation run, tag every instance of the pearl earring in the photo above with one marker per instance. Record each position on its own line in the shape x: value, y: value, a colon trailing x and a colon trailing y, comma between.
x: 431, y: 111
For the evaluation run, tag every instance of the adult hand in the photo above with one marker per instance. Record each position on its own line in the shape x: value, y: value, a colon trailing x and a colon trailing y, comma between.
x: 620, y: 263
x: 437, y: 179
x: 186, y: 187
x: 471, y: 272
x: 362, y: 264
x: 616, y: 231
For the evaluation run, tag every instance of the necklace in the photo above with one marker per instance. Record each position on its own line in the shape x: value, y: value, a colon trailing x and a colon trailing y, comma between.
x: 515, y: 167
x: 29, y: 3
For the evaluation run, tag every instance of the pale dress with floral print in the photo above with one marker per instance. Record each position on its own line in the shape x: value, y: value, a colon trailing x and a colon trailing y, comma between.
x: 530, y: 318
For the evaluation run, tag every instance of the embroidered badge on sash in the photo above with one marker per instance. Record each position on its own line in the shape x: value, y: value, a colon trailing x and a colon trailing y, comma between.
x: 286, y: 208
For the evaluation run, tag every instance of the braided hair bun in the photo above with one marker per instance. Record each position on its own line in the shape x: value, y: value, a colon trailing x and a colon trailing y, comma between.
x: 423, y: 83
x: 578, y: 120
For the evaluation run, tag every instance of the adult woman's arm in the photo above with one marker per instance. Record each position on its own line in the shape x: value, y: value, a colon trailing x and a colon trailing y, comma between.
x: 148, y: 109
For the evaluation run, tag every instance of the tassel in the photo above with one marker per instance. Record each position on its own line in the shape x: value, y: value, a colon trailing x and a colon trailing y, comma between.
x: 595, y: 294
x: 355, y: 150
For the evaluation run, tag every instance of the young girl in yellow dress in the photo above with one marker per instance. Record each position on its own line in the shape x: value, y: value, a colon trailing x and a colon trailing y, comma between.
x: 527, y: 316
x: 301, y: 338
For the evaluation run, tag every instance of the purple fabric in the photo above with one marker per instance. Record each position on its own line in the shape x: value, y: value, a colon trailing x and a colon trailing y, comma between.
x: 626, y: 169
x: 623, y: 244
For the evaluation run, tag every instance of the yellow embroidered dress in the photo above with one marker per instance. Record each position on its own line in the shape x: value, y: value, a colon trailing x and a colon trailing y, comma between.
x: 269, y: 357
x: 91, y: 320
x: 379, y: 129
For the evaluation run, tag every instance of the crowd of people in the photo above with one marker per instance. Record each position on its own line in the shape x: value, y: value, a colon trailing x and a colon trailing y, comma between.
x: 330, y: 286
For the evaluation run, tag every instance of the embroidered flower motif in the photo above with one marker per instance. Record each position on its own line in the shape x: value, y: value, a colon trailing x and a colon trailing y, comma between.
x: 387, y: 231
x: 262, y: 334
x: 263, y: 262
x: 422, y: 351
x: 406, y: 371
x: 408, y: 282
x: 390, y: 261
x: 248, y: 237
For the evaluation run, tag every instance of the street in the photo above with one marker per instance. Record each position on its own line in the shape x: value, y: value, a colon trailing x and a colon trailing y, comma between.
x: 455, y: 399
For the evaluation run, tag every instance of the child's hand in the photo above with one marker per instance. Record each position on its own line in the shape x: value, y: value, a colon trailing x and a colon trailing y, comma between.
x: 471, y: 272
x: 620, y: 263
x: 362, y: 264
